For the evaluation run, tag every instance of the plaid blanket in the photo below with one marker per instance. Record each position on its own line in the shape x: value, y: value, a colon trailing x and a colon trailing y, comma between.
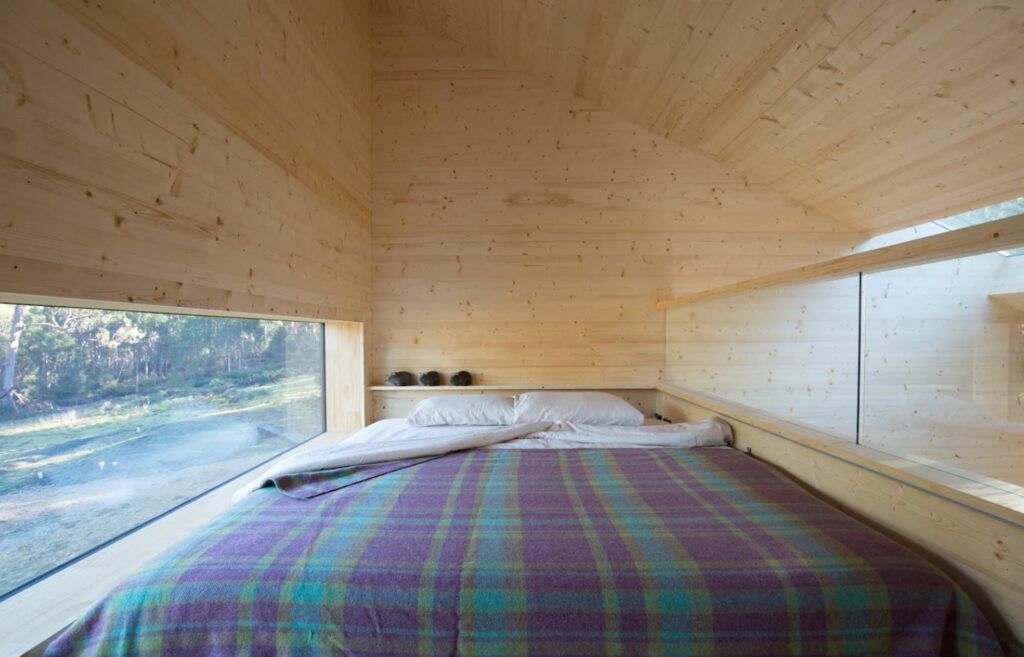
x: 555, y: 553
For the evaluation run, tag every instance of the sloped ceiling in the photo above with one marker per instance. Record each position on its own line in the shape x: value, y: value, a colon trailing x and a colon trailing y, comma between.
x: 880, y: 113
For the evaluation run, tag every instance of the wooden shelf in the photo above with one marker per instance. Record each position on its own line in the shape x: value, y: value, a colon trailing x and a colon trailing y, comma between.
x: 505, y: 387
x: 999, y: 499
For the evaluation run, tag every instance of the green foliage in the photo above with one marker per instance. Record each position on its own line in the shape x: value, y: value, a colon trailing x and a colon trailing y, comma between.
x: 71, y: 356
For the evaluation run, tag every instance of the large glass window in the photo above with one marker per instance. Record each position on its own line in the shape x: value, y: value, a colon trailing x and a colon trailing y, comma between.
x: 108, y: 419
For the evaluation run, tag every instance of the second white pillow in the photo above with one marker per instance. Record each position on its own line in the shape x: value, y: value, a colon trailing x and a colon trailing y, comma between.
x: 579, y: 407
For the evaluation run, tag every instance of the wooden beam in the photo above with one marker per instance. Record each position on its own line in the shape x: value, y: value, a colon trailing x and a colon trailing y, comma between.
x: 984, y: 238
x: 345, y: 376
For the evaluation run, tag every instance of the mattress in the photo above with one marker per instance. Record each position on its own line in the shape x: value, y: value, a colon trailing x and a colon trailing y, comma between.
x: 541, y: 552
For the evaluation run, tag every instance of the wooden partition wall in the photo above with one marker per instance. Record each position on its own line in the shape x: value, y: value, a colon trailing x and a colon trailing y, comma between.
x: 915, y: 357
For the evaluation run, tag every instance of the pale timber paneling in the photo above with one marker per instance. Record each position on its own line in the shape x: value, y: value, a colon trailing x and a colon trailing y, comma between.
x: 212, y: 155
x: 881, y: 114
x: 525, y: 235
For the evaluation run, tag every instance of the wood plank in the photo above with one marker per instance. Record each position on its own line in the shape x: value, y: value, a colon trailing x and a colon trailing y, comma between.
x: 993, y: 236
x: 130, y: 173
x: 345, y: 376
x: 881, y: 114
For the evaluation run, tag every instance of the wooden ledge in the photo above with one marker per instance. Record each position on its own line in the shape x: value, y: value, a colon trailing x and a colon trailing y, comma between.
x: 999, y: 499
x: 983, y: 238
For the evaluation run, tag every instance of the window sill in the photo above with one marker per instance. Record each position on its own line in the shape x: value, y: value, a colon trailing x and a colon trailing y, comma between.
x: 30, y: 618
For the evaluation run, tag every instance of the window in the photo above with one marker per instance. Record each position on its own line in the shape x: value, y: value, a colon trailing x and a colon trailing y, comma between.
x: 924, y: 362
x: 109, y: 419
x: 985, y: 215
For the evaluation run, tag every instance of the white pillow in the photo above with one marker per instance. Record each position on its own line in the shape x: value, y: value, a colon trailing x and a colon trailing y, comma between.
x: 458, y: 410
x: 579, y: 407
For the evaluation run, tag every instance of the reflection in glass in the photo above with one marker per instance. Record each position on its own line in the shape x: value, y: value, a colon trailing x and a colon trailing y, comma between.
x: 944, y: 364
x: 108, y: 419
x: 790, y: 350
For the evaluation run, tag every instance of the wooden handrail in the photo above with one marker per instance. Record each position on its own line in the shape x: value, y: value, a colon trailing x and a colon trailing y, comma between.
x: 983, y: 238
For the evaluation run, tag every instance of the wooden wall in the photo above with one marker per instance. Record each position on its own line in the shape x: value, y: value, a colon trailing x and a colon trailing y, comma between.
x: 525, y: 235
x: 210, y: 155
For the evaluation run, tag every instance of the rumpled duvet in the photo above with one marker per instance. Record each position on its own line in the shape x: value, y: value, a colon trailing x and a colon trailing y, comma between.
x: 540, y: 552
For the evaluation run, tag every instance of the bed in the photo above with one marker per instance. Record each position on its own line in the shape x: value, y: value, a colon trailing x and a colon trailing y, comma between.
x: 551, y: 543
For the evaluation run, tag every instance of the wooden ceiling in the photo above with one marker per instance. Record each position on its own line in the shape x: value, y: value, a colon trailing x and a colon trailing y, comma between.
x: 881, y: 114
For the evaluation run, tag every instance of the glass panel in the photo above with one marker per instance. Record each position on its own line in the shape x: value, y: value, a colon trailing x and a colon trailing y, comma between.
x: 791, y: 351
x: 111, y: 418
x: 944, y: 364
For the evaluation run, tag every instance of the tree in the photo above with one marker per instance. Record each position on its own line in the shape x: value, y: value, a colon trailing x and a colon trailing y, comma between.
x: 7, y: 391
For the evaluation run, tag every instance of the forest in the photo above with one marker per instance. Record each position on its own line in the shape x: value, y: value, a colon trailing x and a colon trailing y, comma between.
x: 110, y: 418
x: 55, y: 357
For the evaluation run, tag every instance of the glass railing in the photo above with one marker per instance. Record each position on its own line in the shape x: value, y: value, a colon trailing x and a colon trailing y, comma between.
x: 789, y: 350
x: 924, y: 362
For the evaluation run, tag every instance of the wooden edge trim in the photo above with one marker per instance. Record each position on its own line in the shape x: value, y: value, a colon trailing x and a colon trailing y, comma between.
x: 140, y: 307
x: 973, y: 240
x: 344, y: 376
x: 911, y: 473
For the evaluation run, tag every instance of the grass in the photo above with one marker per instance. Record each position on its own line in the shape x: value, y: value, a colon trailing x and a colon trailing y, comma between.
x: 68, y: 486
x: 101, y: 425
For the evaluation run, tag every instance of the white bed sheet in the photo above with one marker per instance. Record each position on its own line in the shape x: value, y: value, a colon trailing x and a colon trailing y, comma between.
x: 392, y: 440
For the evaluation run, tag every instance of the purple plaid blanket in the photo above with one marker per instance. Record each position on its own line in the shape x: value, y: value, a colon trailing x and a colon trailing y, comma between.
x: 555, y: 553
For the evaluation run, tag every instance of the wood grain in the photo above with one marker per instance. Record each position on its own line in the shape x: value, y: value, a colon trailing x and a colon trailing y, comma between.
x: 792, y: 351
x: 881, y: 114
x: 525, y: 235
x: 139, y: 161
x: 942, y: 366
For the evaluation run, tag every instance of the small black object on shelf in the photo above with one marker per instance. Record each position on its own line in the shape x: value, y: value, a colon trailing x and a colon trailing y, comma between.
x: 462, y: 378
x: 430, y: 378
x: 400, y: 379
